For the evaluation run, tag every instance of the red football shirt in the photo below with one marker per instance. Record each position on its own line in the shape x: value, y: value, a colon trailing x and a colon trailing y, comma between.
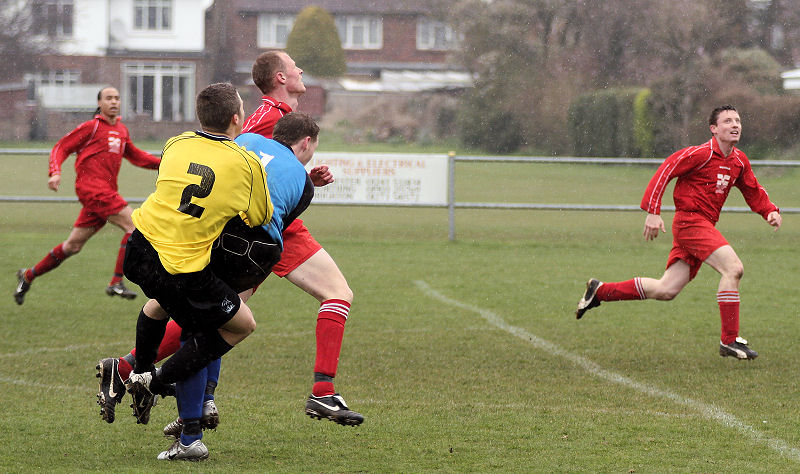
x: 705, y: 178
x: 100, y: 147
x: 262, y: 121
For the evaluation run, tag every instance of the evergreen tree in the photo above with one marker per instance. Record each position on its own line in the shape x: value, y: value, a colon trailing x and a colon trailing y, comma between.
x: 314, y: 43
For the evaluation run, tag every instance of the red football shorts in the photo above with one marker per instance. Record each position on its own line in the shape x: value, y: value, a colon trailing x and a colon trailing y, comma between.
x: 298, y: 246
x: 694, y: 239
x: 97, y: 208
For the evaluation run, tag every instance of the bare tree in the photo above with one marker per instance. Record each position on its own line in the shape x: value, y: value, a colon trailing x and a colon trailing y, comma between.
x: 533, y: 57
x: 777, y: 29
x: 20, y: 43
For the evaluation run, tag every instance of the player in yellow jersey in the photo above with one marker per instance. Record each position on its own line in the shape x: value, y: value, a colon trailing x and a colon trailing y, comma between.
x: 205, y: 180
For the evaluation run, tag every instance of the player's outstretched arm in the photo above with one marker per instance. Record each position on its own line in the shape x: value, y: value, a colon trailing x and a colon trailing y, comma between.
x: 653, y: 223
x: 775, y: 220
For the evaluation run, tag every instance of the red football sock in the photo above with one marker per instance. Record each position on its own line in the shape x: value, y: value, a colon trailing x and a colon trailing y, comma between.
x: 623, y: 290
x: 170, y: 343
x: 49, y: 262
x: 729, y: 315
x: 322, y: 389
x: 124, y: 368
x: 330, y: 331
x: 120, y: 259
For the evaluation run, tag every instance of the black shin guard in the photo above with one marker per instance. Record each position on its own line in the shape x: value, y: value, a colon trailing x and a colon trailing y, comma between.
x: 199, y: 350
x: 192, y: 427
x: 320, y: 377
x: 149, y: 333
x: 211, y: 386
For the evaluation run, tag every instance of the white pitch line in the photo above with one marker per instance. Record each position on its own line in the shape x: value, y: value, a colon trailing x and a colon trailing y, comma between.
x: 72, y: 348
x: 708, y: 411
x: 44, y: 350
x: 28, y: 383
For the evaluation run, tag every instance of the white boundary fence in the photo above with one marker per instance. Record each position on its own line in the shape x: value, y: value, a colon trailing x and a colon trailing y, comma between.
x: 420, y: 180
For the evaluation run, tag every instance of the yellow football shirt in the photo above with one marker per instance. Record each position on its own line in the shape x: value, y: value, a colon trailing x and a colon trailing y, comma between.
x: 203, y: 181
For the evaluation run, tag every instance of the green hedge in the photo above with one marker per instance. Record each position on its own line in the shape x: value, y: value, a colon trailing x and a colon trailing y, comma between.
x: 481, y: 125
x: 643, y: 125
x: 612, y: 123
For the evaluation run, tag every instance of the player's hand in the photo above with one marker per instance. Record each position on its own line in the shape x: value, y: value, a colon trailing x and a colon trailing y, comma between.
x: 54, y: 182
x: 652, y: 225
x: 321, y: 175
x: 774, y: 218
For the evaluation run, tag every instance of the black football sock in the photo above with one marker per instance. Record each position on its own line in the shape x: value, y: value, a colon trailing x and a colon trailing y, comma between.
x: 197, y: 352
x: 149, y: 333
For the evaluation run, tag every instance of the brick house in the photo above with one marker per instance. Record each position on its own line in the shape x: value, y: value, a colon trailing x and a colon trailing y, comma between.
x: 153, y: 51
x: 389, y: 47
x: 159, y: 53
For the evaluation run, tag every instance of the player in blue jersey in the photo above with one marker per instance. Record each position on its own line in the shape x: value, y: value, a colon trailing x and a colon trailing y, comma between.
x: 243, y: 256
x: 290, y: 190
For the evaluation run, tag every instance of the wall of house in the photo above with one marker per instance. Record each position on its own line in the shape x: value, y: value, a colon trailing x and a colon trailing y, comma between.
x: 399, y: 42
x: 99, y: 25
x: 187, y: 32
x: 399, y: 45
x: 52, y: 125
x: 90, y: 28
x: 16, y: 113
x: 243, y: 32
x: 313, y: 102
x: 100, y: 72
x: 142, y: 128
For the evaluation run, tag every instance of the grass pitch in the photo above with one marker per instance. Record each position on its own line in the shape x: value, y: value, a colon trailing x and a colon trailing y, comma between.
x: 463, y: 356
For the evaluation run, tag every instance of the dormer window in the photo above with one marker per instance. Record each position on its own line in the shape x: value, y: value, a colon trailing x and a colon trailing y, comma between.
x: 152, y: 15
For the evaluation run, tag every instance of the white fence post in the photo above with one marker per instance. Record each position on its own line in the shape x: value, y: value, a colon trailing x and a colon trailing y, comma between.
x: 451, y: 195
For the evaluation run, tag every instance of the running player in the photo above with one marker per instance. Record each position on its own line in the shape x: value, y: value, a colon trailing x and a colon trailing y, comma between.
x: 100, y: 144
x: 705, y: 175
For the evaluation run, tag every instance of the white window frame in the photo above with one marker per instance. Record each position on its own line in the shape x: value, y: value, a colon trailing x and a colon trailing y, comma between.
x: 429, y: 31
x: 60, y: 78
x: 360, y: 31
x: 182, y: 109
x: 268, y: 25
x: 141, y: 10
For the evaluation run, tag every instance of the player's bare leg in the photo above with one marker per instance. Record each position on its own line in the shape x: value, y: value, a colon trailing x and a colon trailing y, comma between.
x: 320, y: 277
x: 117, y: 287
x: 725, y: 261
x: 665, y: 288
x: 74, y: 243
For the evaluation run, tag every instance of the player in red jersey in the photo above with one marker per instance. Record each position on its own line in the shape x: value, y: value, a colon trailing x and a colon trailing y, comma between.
x: 100, y: 144
x: 705, y: 175
x: 303, y: 262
